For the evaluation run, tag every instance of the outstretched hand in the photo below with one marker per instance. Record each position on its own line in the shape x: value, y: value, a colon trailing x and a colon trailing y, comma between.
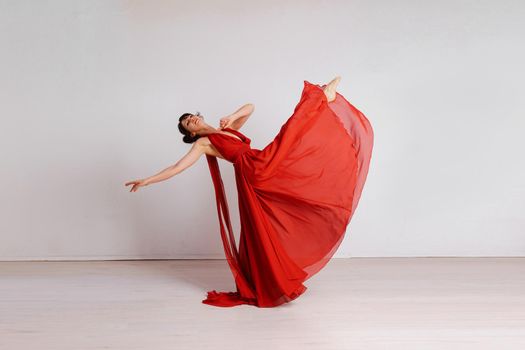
x: 136, y: 184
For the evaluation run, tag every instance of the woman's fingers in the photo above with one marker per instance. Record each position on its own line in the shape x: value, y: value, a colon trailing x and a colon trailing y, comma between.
x: 225, y: 122
x: 136, y: 184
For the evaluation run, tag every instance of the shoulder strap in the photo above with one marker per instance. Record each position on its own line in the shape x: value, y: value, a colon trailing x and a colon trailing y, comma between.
x: 228, y: 239
x: 236, y: 132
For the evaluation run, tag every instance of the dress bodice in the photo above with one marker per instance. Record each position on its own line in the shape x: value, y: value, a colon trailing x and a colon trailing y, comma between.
x: 231, y: 148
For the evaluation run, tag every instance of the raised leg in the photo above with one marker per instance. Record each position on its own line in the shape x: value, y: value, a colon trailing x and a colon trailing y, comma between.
x: 330, y: 88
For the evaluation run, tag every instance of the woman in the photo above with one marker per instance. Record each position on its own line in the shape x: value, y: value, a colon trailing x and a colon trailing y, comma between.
x: 296, y: 196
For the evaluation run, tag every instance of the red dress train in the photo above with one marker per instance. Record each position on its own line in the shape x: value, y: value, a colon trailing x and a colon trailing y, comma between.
x: 296, y: 197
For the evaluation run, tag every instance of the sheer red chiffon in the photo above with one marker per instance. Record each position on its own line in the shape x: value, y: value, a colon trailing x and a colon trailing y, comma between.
x: 296, y: 197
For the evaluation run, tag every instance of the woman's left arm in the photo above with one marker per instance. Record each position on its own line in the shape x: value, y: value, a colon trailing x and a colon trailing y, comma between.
x: 239, y: 117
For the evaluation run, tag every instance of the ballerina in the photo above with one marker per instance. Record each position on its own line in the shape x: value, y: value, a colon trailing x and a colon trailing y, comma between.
x: 196, y: 131
x: 296, y: 196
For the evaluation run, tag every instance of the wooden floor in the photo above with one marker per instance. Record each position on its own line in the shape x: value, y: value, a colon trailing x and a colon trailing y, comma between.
x: 357, y: 303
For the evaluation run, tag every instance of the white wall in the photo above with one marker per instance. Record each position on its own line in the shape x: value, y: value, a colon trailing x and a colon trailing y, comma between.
x: 91, y: 92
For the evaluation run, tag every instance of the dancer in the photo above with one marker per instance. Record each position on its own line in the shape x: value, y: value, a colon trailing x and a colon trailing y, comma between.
x: 296, y: 195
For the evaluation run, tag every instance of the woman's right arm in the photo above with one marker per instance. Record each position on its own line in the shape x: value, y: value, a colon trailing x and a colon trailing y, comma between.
x: 196, y: 151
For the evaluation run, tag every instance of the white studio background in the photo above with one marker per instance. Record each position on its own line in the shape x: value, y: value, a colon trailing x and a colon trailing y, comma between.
x: 91, y: 92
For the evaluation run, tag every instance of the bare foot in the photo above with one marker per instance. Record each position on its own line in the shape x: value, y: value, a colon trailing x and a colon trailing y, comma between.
x: 330, y: 88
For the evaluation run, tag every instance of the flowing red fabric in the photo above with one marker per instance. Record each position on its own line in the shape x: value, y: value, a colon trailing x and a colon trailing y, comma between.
x: 296, y: 197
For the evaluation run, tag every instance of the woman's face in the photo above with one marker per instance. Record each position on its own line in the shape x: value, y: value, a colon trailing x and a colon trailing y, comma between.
x: 194, y: 123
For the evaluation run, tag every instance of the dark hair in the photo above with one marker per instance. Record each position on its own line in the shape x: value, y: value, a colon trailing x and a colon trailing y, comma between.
x: 187, y: 135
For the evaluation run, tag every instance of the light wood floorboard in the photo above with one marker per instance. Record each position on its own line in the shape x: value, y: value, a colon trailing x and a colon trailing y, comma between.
x: 357, y: 303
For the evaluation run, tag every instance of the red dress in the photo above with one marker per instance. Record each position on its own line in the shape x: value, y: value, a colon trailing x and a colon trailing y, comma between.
x: 296, y: 197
